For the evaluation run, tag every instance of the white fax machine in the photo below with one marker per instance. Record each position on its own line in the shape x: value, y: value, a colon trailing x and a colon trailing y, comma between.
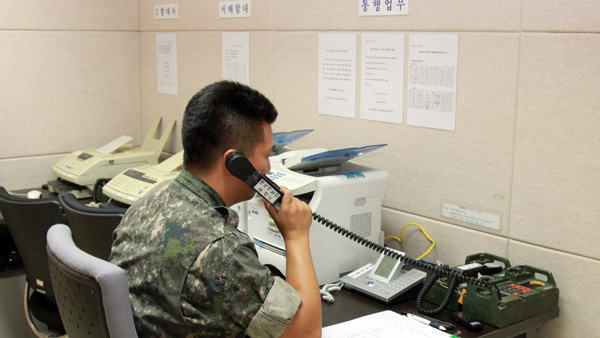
x: 135, y: 183
x: 84, y: 168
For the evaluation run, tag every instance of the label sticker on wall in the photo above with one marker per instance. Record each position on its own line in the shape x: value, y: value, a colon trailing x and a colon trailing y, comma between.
x: 471, y: 215
x: 169, y: 11
x: 382, y: 7
x: 234, y: 9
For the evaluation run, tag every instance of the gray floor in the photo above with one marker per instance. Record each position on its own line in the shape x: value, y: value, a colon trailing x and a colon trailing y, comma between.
x: 12, y: 315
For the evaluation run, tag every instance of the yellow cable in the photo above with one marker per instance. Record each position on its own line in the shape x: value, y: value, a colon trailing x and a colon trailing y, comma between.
x: 422, y: 230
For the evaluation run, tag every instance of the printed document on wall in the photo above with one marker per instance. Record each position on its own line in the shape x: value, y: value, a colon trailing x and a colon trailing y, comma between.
x: 432, y: 66
x: 166, y: 63
x: 382, y: 77
x: 337, y: 74
x: 236, y: 57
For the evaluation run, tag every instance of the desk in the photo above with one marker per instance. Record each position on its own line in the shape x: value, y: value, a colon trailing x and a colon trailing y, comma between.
x: 349, y: 305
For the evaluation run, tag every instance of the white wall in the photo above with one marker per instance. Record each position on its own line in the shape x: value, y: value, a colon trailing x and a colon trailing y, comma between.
x: 70, y: 80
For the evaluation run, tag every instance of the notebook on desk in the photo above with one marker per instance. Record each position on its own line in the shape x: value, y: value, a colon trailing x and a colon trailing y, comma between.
x: 385, y: 324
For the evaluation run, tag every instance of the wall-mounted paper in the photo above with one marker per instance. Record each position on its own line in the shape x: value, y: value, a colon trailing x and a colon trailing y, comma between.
x: 166, y: 63
x: 236, y: 57
x: 382, y: 77
x: 337, y: 74
x: 432, y: 67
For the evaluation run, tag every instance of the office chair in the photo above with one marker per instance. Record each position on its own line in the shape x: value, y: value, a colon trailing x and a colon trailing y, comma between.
x: 92, y: 294
x: 92, y: 227
x: 28, y: 220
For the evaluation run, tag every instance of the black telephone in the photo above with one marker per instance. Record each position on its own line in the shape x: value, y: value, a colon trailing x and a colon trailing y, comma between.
x: 240, y: 167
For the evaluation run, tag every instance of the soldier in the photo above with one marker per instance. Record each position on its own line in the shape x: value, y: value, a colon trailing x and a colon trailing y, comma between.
x: 191, y: 272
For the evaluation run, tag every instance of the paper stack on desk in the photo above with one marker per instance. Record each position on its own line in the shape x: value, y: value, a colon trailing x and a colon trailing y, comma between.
x: 385, y: 324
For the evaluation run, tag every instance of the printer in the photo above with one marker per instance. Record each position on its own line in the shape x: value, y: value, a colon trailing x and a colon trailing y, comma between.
x: 82, y: 169
x: 344, y: 192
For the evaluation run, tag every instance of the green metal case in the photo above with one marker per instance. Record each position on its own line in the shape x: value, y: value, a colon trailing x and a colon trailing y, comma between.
x: 523, y: 292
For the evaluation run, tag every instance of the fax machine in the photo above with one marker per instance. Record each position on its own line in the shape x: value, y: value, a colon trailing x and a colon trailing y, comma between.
x: 135, y: 183
x: 342, y: 191
x: 84, y: 168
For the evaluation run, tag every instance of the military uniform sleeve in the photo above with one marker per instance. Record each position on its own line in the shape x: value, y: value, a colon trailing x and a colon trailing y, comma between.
x: 229, y: 290
x: 277, y: 311
x: 259, y: 302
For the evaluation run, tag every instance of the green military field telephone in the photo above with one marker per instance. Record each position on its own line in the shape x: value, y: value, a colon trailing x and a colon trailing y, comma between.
x: 517, y: 292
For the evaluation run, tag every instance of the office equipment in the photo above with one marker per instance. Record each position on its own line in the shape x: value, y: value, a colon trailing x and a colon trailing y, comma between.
x: 445, y: 325
x: 467, y: 321
x: 92, y: 228
x: 84, y: 168
x: 386, y: 280
x: 516, y: 292
x: 135, y: 183
x: 28, y: 220
x: 92, y: 294
x: 425, y: 321
x: 343, y: 190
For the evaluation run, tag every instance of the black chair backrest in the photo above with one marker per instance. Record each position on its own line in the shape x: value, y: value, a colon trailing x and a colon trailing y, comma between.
x: 28, y: 220
x: 92, y: 227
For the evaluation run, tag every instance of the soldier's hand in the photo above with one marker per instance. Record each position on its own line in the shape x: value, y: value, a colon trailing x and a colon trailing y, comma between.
x: 293, y: 218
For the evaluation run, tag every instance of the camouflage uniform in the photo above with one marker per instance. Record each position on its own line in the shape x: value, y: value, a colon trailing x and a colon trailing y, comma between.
x: 192, y: 273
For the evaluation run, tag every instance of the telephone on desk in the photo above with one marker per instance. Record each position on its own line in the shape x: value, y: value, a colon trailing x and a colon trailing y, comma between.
x: 387, y: 281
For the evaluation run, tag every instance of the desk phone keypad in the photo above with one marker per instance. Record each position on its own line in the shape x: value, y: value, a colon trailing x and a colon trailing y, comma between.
x: 406, y: 280
x: 514, y: 289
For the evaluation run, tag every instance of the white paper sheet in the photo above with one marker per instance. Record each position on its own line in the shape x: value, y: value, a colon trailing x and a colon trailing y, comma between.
x: 166, y: 63
x: 337, y: 74
x: 432, y: 68
x: 382, y: 77
x: 385, y: 324
x: 236, y: 57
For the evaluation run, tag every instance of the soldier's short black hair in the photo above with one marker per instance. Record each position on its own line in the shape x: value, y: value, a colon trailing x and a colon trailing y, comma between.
x: 223, y: 115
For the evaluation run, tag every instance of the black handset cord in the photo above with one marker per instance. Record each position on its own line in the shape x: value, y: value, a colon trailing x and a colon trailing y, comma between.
x: 447, y: 297
x: 456, y: 277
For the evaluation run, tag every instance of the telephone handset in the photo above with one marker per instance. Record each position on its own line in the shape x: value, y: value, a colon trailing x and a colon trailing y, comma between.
x: 240, y: 167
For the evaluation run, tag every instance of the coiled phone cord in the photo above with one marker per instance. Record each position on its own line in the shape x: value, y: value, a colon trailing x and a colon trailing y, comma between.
x: 445, y: 301
x: 456, y: 277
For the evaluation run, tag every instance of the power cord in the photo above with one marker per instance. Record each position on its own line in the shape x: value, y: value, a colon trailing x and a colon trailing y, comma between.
x: 424, y: 233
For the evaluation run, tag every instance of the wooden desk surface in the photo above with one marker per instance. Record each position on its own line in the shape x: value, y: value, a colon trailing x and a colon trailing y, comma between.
x: 349, y: 305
